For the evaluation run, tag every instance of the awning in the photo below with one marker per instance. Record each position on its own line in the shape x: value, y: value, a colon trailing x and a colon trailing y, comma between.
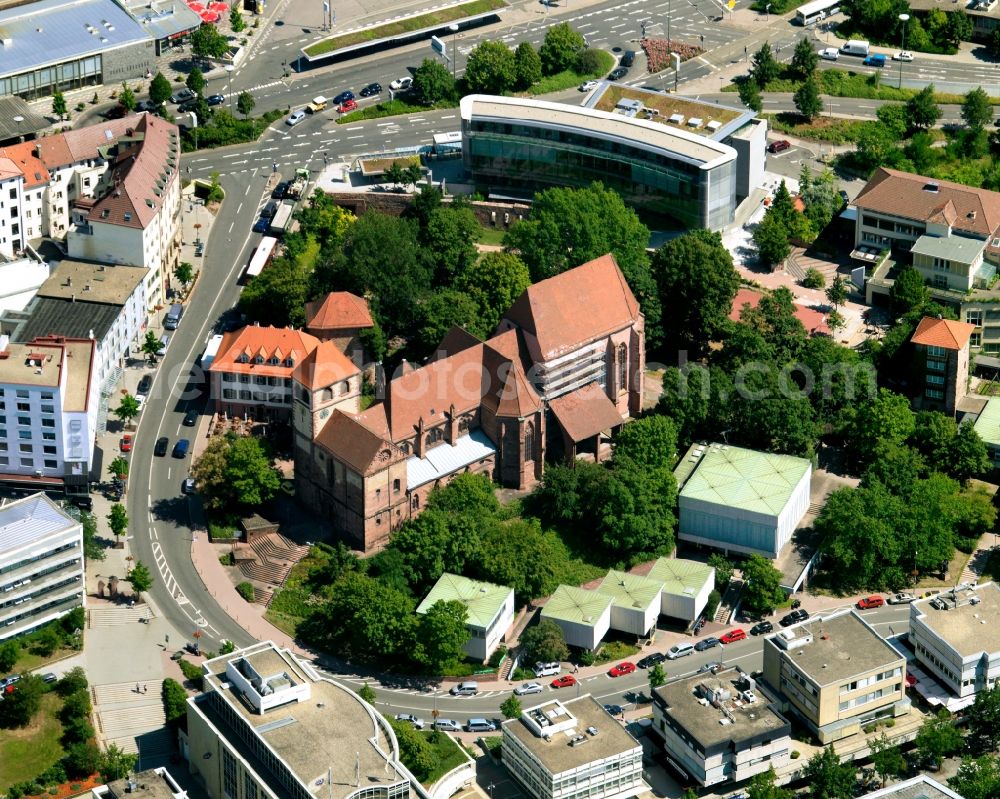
x: 584, y: 413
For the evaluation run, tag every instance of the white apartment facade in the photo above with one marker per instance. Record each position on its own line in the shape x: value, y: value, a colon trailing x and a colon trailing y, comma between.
x: 41, y: 564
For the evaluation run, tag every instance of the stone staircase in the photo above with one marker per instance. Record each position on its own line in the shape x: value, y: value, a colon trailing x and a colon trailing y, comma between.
x: 134, y: 721
x: 117, y: 616
x: 154, y: 748
x: 275, y: 557
x: 124, y: 692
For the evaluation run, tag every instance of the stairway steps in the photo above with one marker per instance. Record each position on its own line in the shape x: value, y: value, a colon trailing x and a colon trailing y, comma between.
x: 125, y: 692
x: 117, y: 616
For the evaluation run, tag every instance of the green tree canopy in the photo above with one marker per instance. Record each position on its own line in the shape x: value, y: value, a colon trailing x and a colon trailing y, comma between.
x: 651, y: 440
x: 657, y: 676
x: 977, y: 778
x: 560, y: 48
x: 807, y: 100
x: 805, y: 59
x: 235, y: 472
x: 909, y: 291
x: 490, y: 68
x: 527, y: 66
x: 151, y: 344
x: 511, y: 707
x: 938, y: 738
x: 750, y: 95
x: 921, y: 109
x: 876, y: 146
x: 127, y: 409
x: 977, y: 110
x: 887, y: 760
x: 885, y: 419
x: 126, y: 98
x: 984, y: 721
x: 827, y: 777
x: 544, y: 642
x: 443, y: 310
x: 449, y: 239
x: 195, y: 81
x: 494, y: 281
x: 140, y: 578
x: 20, y: 707
x: 59, y: 105
x: 245, y: 104
x: 433, y: 83
x: 771, y: 238
x: 762, y: 786
x: 207, y: 42
x: 174, y: 702
x: 441, y: 634
x: 184, y: 272
x: 762, y: 589
x: 764, y: 67
x: 118, y: 520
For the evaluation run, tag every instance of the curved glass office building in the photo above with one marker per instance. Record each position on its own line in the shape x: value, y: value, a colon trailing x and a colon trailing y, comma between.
x: 516, y: 146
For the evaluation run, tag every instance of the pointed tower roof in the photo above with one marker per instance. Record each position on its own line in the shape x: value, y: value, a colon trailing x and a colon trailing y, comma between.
x: 517, y: 397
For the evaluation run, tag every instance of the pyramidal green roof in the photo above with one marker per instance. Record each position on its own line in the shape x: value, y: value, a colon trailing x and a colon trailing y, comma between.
x: 570, y: 603
x: 988, y: 423
x: 760, y: 482
x: 481, y: 600
x: 678, y: 576
x: 630, y: 590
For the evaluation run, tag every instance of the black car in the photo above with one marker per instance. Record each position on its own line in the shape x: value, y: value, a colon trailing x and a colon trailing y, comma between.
x: 280, y: 190
x: 215, y: 99
x: 191, y: 418
x: 116, y: 112
x: 181, y: 95
x: 761, y: 628
x: 161, y: 446
x: 651, y: 660
x: 343, y: 97
x: 614, y: 710
x: 146, y: 105
x: 707, y: 643
x: 145, y: 384
x: 371, y: 90
x: 618, y: 74
x: 794, y: 617
x: 269, y: 209
x: 188, y: 105
x: 628, y: 58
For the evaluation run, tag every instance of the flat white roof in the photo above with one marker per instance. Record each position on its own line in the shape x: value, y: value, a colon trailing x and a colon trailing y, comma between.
x: 31, y: 519
x: 638, y: 132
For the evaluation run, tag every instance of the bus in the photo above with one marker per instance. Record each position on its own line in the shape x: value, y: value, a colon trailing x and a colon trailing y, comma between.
x: 281, y: 219
x: 261, y: 257
x: 817, y: 10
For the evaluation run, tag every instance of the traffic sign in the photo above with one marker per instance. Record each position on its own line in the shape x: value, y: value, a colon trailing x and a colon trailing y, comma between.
x: 438, y: 46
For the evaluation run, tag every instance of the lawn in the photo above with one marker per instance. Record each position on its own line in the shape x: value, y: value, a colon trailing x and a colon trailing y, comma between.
x: 492, y: 235
x: 446, y: 753
x: 29, y: 661
x: 28, y: 752
x: 826, y: 129
x: 430, y: 20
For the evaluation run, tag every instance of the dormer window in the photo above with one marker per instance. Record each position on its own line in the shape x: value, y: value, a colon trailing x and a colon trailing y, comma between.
x: 243, y: 358
x: 273, y: 361
x: 128, y: 216
x: 289, y: 362
x: 259, y: 359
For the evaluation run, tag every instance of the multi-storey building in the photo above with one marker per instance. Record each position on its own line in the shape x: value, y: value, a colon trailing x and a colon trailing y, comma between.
x: 41, y: 564
x: 572, y: 750
x: 48, y: 413
x: 836, y: 674
x: 267, y: 726
x: 489, y: 610
x: 943, y: 346
x: 719, y: 728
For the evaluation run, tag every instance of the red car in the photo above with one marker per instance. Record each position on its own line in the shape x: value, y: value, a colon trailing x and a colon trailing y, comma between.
x: 870, y: 602
x: 778, y: 146
x: 566, y: 681
x: 348, y: 105
x: 622, y: 669
x: 126, y: 444
x: 733, y: 636
x: 910, y: 680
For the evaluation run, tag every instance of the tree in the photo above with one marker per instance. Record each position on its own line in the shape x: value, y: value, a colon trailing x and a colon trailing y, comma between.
x: 443, y: 310
x: 127, y: 409
x: 511, y: 707
x: 245, y: 104
x: 20, y: 707
x: 909, y: 291
x: 367, y: 693
x: 139, y: 578
x: 494, y: 281
x: 433, y: 83
x: 236, y: 21
x: 127, y: 98
x: 977, y: 110
x: 277, y: 296
x: 887, y: 760
x: 762, y: 786
x: 886, y: 419
x: 967, y: 455
x: 184, y: 272
x: 235, y: 471
x: 937, y: 738
x: 118, y: 468
x: 958, y: 28
x: 490, y: 68
x: 696, y: 279
x: 527, y: 66
x: 442, y: 633
x: 118, y: 520
x: 151, y: 345
x: 59, y: 105
x: 207, y: 42
x: 921, y: 110
x: 771, y: 238
x: 977, y: 778
x: 544, y: 643
x: 115, y: 763
x: 765, y: 69
x: 450, y: 239
x: 814, y: 279
x: 827, y: 777
x: 805, y: 59
x: 993, y: 45
x: 174, y: 701
x: 807, y: 100
x: 984, y: 721
x: 196, y: 81
x: 837, y: 292
x: 762, y: 589
x: 9, y: 652
x: 81, y: 759
x: 159, y: 90
x: 876, y: 145
x: 657, y: 676
x: 651, y: 440
x: 750, y: 95
x: 892, y: 117
x: 723, y: 569
x: 560, y: 48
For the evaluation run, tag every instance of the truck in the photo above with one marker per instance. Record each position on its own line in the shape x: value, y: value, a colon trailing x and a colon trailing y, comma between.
x: 281, y: 219
x: 317, y: 104
x: 854, y: 47
x: 298, y: 186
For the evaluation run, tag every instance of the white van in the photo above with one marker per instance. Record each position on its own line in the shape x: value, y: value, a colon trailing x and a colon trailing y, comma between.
x: 480, y: 725
x: 547, y: 669
x: 465, y: 689
x: 679, y: 651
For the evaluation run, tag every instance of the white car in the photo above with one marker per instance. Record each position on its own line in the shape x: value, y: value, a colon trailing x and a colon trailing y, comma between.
x: 901, y: 599
x: 295, y: 118
x: 401, y: 84
x: 589, y: 85
x: 417, y: 723
x: 529, y: 688
x: 903, y: 55
x: 829, y: 53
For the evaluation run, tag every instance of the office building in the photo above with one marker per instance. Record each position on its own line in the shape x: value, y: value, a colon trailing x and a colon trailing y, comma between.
x: 943, y: 345
x: 41, y: 564
x: 572, y: 750
x: 489, y: 611
x: 635, y: 602
x: 583, y: 616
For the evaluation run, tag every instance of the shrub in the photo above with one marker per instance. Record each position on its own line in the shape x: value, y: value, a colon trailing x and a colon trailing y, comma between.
x: 966, y: 545
x: 589, y: 62
x: 246, y: 591
x: 191, y: 671
x: 795, y: 754
x: 498, y: 655
x: 587, y: 657
x: 658, y: 52
x: 174, y: 702
x: 713, y: 604
x: 814, y: 279
x: 228, y: 559
x: 73, y: 681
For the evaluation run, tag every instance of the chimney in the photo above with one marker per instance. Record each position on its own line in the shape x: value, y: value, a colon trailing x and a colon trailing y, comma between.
x: 418, y: 449
x: 452, y: 425
x: 90, y: 335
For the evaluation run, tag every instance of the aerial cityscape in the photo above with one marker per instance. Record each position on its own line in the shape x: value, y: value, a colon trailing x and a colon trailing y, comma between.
x: 499, y: 399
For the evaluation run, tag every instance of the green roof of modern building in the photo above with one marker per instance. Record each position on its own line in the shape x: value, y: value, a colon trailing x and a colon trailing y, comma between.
x: 678, y: 576
x: 630, y: 590
x: 482, y: 600
x: 760, y: 482
x: 572, y: 604
x: 988, y: 423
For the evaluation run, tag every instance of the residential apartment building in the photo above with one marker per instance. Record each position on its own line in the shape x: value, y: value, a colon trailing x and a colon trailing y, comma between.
x: 41, y: 564
x: 489, y: 611
x: 836, y: 674
x: 572, y: 750
x: 268, y: 726
x: 23, y: 182
x: 720, y: 728
x: 552, y: 382
x: 48, y: 413
x: 955, y: 638
x: 943, y: 346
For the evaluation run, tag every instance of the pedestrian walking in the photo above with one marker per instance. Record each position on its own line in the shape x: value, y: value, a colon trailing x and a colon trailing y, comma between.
x: 137, y: 688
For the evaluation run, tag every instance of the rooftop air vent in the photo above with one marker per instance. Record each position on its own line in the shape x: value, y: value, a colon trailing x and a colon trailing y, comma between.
x: 931, y: 186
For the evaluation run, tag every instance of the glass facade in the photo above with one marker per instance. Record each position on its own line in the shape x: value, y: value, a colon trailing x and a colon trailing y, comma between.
x: 45, y: 81
x: 517, y: 156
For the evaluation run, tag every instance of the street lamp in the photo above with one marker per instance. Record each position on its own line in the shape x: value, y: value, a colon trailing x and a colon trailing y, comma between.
x: 454, y: 48
x: 230, y: 69
x: 904, y: 18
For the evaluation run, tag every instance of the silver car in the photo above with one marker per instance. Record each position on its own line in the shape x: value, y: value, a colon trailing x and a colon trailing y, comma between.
x: 529, y: 688
x: 448, y: 725
x: 417, y: 723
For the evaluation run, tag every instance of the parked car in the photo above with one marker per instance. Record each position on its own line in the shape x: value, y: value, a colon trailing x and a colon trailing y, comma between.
x: 160, y: 449
x: 347, y: 106
x: 529, y: 688
x: 116, y: 112
x: 614, y: 710
x: 731, y: 637
x: 901, y: 599
x: 869, y: 602
x: 125, y: 445
x: 181, y: 95
x: 714, y: 667
x: 49, y: 677
x: 280, y: 190
x: 778, y: 146
x: 623, y: 668
x: 188, y: 105
x: 145, y: 384
x: 188, y: 486
x: 618, y: 73
x: 679, y: 651
x: 261, y: 225
x: 566, y: 681
x: 343, y: 97
x: 270, y: 209
x: 83, y: 501
x: 448, y: 725
x: 794, y: 617
x: 371, y: 90
x: 417, y: 723
x: 401, y: 84
x: 465, y: 689
x: 146, y: 105
x: 480, y: 725
x: 651, y: 660
x: 627, y: 59
x: 903, y: 55
x: 586, y: 86
x: 190, y: 418
x: 829, y: 53
x: 181, y: 448
x: 762, y: 628
x: 707, y: 643
x: 295, y: 118
x: 215, y: 99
